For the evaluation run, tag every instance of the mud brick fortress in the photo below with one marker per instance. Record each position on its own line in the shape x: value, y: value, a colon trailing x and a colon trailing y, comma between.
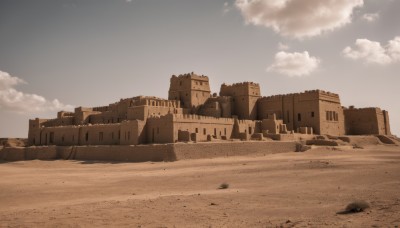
x: 193, y: 114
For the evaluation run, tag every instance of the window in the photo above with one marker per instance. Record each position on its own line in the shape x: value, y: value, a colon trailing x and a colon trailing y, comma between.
x: 51, y: 140
x: 327, y: 115
x: 298, y: 117
x: 197, y: 130
x: 312, y: 114
x: 62, y: 138
x: 250, y: 129
x: 87, y: 136
x: 215, y: 131
x: 225, y: 131
x: 101, y: 136
x: 180, y: 83
x: 204, y: 131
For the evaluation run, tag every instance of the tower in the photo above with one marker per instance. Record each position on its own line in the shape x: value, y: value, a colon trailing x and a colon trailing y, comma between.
x: 245, y: 96
x: 191, y: 89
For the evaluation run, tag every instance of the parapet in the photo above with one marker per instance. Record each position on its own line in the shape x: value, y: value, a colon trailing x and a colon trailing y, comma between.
x: 191, y: 75
x: 241, y: 84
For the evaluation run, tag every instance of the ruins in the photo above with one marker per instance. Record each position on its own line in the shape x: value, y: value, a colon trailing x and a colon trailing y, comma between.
x: 192, y: 114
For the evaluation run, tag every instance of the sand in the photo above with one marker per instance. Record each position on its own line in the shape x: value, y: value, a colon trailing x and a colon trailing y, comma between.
x: 277, y: 190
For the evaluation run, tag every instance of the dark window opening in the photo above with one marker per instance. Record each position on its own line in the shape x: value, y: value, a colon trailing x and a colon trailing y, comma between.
x: 298, y: 117
x: 87, y: 136
x: 100, y: 136
x: 197, y: 130
x: 250, y: 129
x: 312, y: 114
x: 204, y: 131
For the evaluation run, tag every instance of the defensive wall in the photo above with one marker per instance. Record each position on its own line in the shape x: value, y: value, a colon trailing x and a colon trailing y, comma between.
x: 318, y: 109
x: 143, y: 153
x: 366, y: 121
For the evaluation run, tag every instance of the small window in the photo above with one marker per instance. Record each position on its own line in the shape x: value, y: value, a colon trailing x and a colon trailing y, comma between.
x: 312, y: 114
x: 250, y: 129
x: 327, y: 115
x: 298, y: 117
x: 180, y: 83
x: 215, y: 131
x: 62, y: 138
x: 87, y: 136
x: 197, y: 130
x: 100, y: 136
x: 204, y: 131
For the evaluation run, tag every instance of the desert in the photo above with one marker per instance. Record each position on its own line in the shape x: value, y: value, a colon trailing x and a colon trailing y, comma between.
x: 293, y: 189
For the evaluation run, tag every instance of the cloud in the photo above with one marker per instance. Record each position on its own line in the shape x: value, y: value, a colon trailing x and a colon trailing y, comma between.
x: 294, y: 64
x: 283, y: 47
x: 19, y: 102
x: 373, y: 52
x: 227, y: 7
x: 298, y: 18
x: 370, y: 17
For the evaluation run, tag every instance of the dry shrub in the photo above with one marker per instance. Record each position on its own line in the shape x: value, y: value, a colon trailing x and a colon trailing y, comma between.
x: 355, y: 207
x: 224, y: 186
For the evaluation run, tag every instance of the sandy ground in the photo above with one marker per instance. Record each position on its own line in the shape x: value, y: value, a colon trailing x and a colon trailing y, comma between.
x: 280, y: 190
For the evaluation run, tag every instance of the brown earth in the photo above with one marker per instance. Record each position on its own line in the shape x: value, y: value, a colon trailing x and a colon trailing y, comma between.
x: 278, y: 190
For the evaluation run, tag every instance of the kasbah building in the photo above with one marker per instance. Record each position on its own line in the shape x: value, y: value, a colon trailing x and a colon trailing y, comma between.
x: 193, y: 114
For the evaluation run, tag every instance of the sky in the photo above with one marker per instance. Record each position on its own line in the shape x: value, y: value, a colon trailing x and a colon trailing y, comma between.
x: 60, y: 54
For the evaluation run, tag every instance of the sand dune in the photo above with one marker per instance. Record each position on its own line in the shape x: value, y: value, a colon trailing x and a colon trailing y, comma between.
x: 288, y: 189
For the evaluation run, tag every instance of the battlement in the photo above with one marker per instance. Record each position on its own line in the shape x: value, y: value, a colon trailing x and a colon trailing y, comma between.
x: 308, y: 93
x: 352, y: 108
x: 241, y: 84
x: 191, y: 76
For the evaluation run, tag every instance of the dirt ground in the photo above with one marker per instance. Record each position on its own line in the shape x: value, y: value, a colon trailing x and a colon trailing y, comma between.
x: 279, y: 190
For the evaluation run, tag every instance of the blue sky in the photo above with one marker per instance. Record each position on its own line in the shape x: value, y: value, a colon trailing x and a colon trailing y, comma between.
x: 58, y: 54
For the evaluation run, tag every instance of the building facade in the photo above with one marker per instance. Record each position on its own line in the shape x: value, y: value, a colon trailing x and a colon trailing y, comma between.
x: 192, y: 113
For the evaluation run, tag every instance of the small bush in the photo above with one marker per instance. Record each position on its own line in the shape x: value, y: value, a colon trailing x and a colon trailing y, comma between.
x: 224, y: 186
x: 355, y: 207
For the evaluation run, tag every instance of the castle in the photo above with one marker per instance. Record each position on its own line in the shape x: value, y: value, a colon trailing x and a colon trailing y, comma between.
x: 192, y: 113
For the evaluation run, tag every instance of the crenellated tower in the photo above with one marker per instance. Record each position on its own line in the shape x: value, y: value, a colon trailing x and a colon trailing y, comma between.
x: 190, y: 89
x: 245, y: 96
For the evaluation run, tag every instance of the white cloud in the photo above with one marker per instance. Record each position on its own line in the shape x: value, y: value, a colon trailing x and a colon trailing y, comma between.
x: 283, y: 47
x: 374, y: 52
x: 17, y: 101
x: 370, y: 17
x: 298, y: 18
x: 294, y: 64
x: 227, y: 7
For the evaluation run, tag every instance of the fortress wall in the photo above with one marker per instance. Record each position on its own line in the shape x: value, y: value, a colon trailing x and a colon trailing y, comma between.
x: 249, y: 126
x: 143, y: 112
x: 140, y: 153
x: 102, y: 134
x: 226, y: 149
x: 267, y: 107
x: 104, y: 117
x: 143, y: 153
x: 332, y: 121
x: 305, y: 109
x: 69, y: 120
x: 366, y: 121
x: 132, y: 132
x: 160, y: 129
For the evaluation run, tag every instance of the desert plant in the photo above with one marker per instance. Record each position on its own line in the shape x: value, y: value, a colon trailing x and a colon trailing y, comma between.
x: 224, y: 186
x: 355, y: 207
